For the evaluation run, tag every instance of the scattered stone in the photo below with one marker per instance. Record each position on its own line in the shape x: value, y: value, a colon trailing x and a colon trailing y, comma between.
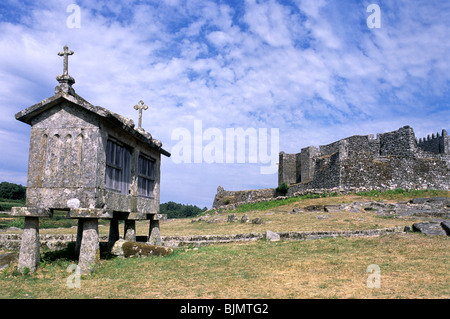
x: 312, y: 208
x: 245, y: 218
x: 272, y: 236
x: 429, y: 228
x: 232, y: 218
x: 116, y: 250
x: 257, y: 220
x: 333, y: 208
x: 215, y: 220
x: 323, y: 216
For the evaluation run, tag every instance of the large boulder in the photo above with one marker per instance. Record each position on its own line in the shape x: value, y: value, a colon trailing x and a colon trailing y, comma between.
x: 272, y: 236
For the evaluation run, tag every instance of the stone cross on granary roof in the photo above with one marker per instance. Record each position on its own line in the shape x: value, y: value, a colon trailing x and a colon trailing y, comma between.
x: 65, y: 79
x: 140, y: 106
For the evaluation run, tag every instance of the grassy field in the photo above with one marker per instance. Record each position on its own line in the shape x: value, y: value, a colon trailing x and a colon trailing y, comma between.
x: 411, y: 265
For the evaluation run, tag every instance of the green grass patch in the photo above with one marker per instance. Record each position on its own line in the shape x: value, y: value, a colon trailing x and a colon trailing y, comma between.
x: 7, y: 204
x: 280, y: 202
x: 411, y: 266
x: 403, y: 193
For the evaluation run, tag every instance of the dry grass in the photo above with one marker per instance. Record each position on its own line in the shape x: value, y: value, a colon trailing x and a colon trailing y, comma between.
x: 412, y: 265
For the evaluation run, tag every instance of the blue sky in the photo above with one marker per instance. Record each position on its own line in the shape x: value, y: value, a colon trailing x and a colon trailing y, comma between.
x: 312, y: 69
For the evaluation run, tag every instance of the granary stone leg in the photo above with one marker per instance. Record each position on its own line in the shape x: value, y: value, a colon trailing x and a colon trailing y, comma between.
x: 79, y: 236
x: 90, y: 248
x: 113, y: 232
x: 29, y: 255
x: 154, y: 235
x: 130, y: 230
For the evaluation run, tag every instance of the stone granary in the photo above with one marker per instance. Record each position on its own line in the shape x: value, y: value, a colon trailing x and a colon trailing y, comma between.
x: 92, y: 163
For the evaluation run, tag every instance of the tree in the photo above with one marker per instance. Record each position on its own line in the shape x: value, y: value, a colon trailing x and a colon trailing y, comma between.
x: 175, y: 210
x: 12, y: 191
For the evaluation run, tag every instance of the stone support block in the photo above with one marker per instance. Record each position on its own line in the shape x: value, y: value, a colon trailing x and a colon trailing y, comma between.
x: 113, y: 232
x: 29, y: 256
x: 154, y: 235
x: 130, y: 230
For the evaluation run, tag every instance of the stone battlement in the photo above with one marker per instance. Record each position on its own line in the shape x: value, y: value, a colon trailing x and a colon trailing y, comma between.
x: 391, y: 160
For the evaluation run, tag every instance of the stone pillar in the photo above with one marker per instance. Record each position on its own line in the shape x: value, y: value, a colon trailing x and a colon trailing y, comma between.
x: 154, y: 235
x: 79, y: 236
x: 89, y: 248
x: 113, y: 232
x: 29, y: 255
x: 129, y: 230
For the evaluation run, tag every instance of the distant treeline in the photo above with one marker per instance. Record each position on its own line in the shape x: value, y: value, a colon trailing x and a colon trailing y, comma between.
x: 12, y: 191
x: 175, y: 210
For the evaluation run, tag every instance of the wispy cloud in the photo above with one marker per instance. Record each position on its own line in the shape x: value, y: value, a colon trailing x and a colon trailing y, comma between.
x: 313, y: 69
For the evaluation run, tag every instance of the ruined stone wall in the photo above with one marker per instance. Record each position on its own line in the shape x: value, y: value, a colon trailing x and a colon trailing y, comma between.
x: 234, y: 198
x: 399, y: 143
x: 392, y: 160
x: 287, y: 170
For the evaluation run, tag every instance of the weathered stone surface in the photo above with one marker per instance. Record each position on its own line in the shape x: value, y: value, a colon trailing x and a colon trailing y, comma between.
x: 90, y: 213
x: 117, y: 248
x: 272, y: 236
x: 245, y: 218
x: 392, y: 160
x: 29, y: 256
x: 154, y: 233
x: 429, y: 228
x: 312, y: 208
x: 30, y: 212
x: 446, y: 226
x: 232, y: 218
x: 89, y: 248
x: 257, y: 220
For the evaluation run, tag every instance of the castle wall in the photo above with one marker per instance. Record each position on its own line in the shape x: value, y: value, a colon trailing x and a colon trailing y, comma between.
x: 400, y: 143
x: 392, y: 160
x: 287, y: 168
x: 307, y: 164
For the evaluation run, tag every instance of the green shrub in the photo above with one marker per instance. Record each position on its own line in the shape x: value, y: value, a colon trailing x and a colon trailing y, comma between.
x: 282, y: 188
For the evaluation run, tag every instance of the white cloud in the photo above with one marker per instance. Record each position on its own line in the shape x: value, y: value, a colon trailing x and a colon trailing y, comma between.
x: 313, y: 69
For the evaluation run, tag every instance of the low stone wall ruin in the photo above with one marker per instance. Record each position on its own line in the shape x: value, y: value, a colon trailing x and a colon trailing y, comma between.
x: 11, y: 242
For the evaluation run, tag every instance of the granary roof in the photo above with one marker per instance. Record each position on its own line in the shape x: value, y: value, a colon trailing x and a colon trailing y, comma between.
x: 120, y: 121
x: 64, y: 91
